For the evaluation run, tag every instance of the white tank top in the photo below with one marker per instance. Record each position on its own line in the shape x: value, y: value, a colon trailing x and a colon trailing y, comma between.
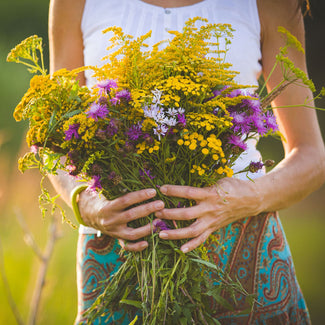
x: 137, y: 18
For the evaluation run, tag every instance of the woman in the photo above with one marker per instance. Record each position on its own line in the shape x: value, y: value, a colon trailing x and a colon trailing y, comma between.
x: 238, y: 209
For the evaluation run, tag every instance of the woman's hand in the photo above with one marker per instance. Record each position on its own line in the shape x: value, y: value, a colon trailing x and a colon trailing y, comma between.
x: 112, y: 217
x: 216, y: 206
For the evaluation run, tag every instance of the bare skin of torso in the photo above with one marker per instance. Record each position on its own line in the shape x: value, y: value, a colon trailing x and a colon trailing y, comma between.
x: 172, y: 3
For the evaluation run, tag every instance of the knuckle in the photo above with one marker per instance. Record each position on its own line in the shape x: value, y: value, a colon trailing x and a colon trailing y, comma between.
x: 123, y: 200
x: 132, y: 236
x: 151, y: 207
x: 129, y: 215
x: 187, y: 215
x: 189, y: 191
x: 191, y: 233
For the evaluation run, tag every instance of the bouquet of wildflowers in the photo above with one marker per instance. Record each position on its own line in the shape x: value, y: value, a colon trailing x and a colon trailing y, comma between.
x: 161, y: 116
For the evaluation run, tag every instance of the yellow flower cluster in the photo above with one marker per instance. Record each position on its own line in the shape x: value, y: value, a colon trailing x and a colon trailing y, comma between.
x: 37, y: 133
x: 211, y: 147
x: 49, y: 97
x: 209, y: 121
x: 177, y: 87
x: 148, y: 124
x: 182, y: 71
x: 199, y: 169
x: 144, y: 146
x: 26, y: 49
x: 40, y: 86
x: 225, y: 170
x: 87, y: 127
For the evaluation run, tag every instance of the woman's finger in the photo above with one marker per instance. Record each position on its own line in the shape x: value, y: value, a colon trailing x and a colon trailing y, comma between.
x: 187, y: 192
x: 133, y: 247
x: 195, y: 242
x: 129, y: 199
x: 141, y: 211
x: 181, y: 213
x: 133, y: 234
x: 192, y: 231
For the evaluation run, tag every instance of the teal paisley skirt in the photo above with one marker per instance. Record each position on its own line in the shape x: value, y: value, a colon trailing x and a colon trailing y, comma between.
x: 254, y: 250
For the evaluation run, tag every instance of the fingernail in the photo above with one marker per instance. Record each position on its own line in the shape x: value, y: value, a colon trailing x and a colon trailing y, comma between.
x: 159, y: 205
x: 151, y: 192
x: 163, y: 190
x: 184, y: 250
x: 163, y: 235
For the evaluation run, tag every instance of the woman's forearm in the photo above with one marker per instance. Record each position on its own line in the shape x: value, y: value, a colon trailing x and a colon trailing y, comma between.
x: 64, y: 185
x: 294, y: 178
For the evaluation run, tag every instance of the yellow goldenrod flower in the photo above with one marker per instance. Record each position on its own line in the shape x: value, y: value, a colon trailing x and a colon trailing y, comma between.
x: 192, y: 146
x: 201, y: 172
x: 219, y: 170
x: 203, y: 143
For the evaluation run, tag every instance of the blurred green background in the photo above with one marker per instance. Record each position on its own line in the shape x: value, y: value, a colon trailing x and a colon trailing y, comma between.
x: 304, y: 223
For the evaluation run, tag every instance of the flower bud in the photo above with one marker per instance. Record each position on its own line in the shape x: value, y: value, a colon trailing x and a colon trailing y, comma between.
x: 269, y: 163
x: 101, y: 134
x: 96, y: 169
x: 255, y: 166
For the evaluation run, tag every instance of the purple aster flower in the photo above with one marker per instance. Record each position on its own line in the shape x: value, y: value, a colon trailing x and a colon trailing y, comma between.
x: 253, y: 105
x: 111, y: 175
x: 241, y: 122
x: 114, y: 101
x: 146, y: 173
x: 254, y: 167
x: 134, y: 132
x: 258, y: 122
x: 72, y: 132
x: 159, y: 225
x: 270, y: 122
x: 112, y: 127
x: 95, y: 183
x: 123, y: 94
x: 97, y: 111
x: 236, y: 93
x: 237, y: 141
x: 181, y: 120
x: 102, y: 100
x: 106, y: 85
x: 218, y: 92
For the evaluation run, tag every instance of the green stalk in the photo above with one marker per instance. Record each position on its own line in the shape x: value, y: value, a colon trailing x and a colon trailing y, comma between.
x: 168, y: 281
x: 268, y: 78
x: 153, y: 272
x: 32, y: 66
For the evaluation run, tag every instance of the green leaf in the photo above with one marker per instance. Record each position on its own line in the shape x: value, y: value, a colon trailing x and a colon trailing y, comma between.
x: 206, y: 263
x: 222, y: 301
x: 183, y: 321
x: 134, y: 303
x: 52, y: 119
x: 72, y: 113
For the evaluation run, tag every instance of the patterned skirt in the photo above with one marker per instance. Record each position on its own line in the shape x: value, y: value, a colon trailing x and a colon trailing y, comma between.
x: 254, y: 250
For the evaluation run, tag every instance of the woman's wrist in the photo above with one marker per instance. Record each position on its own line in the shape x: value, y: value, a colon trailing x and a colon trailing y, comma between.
x: 246, y: 196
